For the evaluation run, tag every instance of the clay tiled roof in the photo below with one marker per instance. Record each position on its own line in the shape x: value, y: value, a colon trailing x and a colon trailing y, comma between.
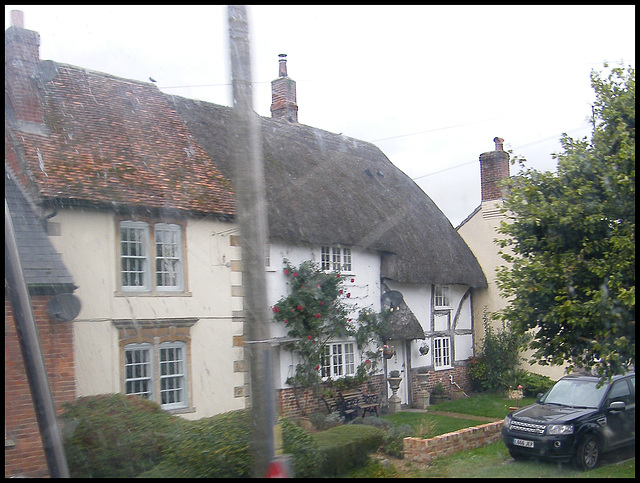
x: 117, y: 141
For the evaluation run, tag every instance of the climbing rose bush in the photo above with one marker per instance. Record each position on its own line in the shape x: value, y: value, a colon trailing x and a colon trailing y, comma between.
x: 315, y: 312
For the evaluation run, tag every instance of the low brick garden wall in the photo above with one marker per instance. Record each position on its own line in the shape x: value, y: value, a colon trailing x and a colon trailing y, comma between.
x: 425, y: 450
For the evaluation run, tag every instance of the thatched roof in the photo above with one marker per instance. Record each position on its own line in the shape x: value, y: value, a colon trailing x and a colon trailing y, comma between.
x: 325, y: 188
x: 404, y: 325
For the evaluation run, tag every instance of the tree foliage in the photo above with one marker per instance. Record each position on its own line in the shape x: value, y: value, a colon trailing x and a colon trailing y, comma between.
x: 570, y: 240
x: 315, y: 312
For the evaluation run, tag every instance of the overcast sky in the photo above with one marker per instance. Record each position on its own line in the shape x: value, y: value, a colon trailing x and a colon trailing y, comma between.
x: 431, y: 86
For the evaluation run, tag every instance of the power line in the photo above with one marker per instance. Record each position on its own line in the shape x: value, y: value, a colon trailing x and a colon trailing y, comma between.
x: 518, y: 147
x: 433, y: 130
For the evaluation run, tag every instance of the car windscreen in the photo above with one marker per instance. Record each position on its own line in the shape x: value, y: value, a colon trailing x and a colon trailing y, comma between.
x: 574, y: 392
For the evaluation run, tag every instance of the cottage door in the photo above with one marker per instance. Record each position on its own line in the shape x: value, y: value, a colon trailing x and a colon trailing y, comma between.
x: 399, y: 363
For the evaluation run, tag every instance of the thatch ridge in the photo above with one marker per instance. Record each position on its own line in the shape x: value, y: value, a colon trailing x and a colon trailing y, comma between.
x: 325, y: 188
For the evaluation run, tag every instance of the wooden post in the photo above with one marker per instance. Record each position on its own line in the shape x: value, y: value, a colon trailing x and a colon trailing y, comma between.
x: 251, y: 208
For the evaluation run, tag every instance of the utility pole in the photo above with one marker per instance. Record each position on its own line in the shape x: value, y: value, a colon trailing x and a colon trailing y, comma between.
x: 32, y: 354
x: 252, y: 217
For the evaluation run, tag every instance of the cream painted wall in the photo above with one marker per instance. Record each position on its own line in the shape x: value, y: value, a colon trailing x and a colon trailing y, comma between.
x: 479, y: 232
x: 87, y: 242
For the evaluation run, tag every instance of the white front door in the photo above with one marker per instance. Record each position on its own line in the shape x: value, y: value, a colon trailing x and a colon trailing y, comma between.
x: 399, y: 363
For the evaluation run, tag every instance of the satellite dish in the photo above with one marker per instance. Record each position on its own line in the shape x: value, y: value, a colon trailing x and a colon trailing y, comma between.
x: 392, y: 299
x: 64, y: 307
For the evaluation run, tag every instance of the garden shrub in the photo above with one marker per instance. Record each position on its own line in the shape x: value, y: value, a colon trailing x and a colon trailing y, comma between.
x: 346, y: 447
x: 116, y: 436
x: 214, y: 447
x: 220, y: 447
x: 500, y: 354
x: 392, y: 440
x: 533, y: 384
x: 477, y: 372
x: 301, y: 445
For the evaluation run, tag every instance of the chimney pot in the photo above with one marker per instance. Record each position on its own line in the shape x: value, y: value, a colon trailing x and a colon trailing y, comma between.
x: 498, y: 142
x: 17, y: 19
x: 282, y: 65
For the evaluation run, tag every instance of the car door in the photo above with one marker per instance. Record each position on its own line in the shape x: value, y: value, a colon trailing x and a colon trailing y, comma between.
x: 621, y: 423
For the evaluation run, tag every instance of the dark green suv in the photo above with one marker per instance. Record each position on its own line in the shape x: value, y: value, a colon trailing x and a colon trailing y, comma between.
x: 575, y: 420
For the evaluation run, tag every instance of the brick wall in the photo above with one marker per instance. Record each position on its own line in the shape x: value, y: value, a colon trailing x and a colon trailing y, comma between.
x: 425, y: 450
x: 24, y: 455
x: 303, y: 402
x: 459, y: 374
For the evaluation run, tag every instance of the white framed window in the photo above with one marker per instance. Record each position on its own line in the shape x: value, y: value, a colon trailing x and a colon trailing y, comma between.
x: 138, y: 370
x: 168, y: 256
x: 134, y: 255
x: 442, y: 296
x: 337, y: 259
x: 346, y: 259
x: 442, y: 352
x: 267, y: 256
x: 172, y: 375
x: 157, y: 373
x: 338, y: 360
x: 146, y: 266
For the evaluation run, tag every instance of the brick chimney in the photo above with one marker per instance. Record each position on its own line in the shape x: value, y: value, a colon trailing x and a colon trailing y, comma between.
x: 494, y: 167
x: 283, y: 94
x: 21, y: 59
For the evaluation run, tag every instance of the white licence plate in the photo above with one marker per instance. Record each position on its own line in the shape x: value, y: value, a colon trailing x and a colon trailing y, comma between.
x: 523, y: 442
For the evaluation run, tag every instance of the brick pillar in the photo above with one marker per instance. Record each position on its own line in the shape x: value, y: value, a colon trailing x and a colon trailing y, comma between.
x: 21, y: 58
x: 283, y: 94
x: 494, y: 167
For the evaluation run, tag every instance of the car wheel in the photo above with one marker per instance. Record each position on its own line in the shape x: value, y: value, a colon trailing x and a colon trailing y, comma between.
x: 518, y: 456
x: 588, y: 453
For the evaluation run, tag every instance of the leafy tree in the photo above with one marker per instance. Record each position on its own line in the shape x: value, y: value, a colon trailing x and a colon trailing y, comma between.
x: 314, y: 312
x: 571, y: 242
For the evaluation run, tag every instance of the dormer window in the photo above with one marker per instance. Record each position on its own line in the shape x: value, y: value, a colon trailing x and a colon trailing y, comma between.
x: 334, y: 258
x: 442, y: 299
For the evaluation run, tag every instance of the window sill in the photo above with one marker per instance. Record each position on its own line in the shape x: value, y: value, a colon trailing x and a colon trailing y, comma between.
x: 152, y: 294
x: 186, y: 410
x: 442, y: 368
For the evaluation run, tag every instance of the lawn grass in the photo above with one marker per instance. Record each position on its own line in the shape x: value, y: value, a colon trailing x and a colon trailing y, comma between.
x: 488, y: 405
x: 430, y: 425
x: 493, y: 461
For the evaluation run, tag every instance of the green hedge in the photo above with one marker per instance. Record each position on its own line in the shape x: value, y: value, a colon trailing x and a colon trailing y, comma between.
x: 215, y: 447
x: 346, y: 447
x: 115, y: 436
x: 297, y: 442
x: 220, y: 447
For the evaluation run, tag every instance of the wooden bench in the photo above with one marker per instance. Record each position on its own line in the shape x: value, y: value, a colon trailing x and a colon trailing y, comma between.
x: 354, y: 399
x: 337, y: 404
